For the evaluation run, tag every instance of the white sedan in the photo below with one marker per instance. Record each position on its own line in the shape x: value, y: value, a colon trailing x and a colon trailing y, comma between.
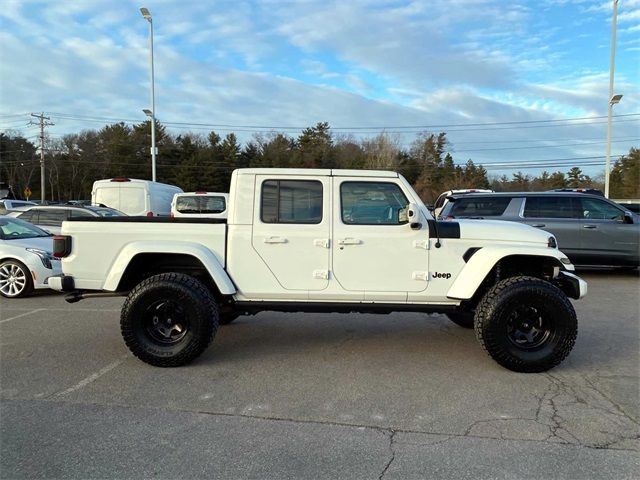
x: 26, y: 258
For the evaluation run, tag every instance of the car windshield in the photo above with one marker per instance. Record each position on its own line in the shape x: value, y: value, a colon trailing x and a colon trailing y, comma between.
x: 107, y: 212
x: 16, y: 229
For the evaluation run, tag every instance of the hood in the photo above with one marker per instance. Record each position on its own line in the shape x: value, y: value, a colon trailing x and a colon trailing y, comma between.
x: 502, y: 231
x: 43, y: 243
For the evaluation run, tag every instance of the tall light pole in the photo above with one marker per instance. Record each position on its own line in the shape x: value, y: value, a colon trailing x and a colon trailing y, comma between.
x: 147, y: 15
x: 612, y: 99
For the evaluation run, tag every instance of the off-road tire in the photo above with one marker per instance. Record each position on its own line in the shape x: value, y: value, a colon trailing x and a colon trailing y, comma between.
x: 191, y: 303
x: 462, y: 319
x: 498, y: 312
x: 20, y: 268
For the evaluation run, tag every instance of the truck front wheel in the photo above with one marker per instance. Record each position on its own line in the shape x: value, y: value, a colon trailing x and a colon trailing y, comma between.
x: 526, y: 324
x: 169, y: 319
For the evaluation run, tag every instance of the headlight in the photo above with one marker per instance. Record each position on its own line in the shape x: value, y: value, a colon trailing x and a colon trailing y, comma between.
x: 45, y: 256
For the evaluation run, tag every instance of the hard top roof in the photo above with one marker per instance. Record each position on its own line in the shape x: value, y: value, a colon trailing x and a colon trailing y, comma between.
x: 456, y: 196
x: 318, y: 172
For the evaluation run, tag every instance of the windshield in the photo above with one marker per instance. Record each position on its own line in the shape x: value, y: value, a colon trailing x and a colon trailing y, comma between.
x: 16, y: 229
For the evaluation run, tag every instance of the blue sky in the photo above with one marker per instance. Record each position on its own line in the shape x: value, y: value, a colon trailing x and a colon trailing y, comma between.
x: 354, y: 64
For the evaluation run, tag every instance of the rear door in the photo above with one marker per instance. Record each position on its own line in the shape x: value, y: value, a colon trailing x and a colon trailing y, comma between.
x: 291, y: 229
x: 606, y: 239
x: 559, y: 215
x: 108, y: 195
x: 135, y: 201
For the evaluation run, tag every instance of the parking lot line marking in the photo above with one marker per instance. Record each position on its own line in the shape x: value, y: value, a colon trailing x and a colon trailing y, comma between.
x: 23, y: 315
x: 92, y: 378
x: 72, y: 309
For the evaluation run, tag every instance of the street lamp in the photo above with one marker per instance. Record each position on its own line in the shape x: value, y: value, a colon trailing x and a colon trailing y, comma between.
x: 152, y: 113
x: 613, y: 99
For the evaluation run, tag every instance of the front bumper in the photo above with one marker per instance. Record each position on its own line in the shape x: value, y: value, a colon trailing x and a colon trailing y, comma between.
x: 572, y: 285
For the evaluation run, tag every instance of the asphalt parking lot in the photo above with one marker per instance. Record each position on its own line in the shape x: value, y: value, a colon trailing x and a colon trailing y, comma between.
x: 317, y: 396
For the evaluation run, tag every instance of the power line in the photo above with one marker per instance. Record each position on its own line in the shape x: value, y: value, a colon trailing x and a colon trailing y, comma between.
x: 549, y: 162
x: 249, y: 128
x: 539, y: 146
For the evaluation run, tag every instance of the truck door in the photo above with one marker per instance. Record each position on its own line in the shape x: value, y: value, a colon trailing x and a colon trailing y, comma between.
x: 291, y: 229
x: 374, y: 247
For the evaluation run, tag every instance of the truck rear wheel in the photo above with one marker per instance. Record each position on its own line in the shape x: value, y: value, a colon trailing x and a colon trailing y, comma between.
x: 169, y: 319
x: 526, y: 324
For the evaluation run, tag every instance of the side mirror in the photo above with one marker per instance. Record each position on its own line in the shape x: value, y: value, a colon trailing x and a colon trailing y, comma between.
x: 413, y: 215
x: 628, y: 218
x: 412, y: 212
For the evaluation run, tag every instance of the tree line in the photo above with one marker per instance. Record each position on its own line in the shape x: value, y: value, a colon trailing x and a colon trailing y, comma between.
x: 196, y: 161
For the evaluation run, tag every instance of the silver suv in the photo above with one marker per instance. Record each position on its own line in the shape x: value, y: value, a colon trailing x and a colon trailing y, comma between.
x: 590, y: 229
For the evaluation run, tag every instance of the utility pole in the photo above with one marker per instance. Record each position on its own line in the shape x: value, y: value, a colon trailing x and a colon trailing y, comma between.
x: 43, y: 122
x: 612, y: 66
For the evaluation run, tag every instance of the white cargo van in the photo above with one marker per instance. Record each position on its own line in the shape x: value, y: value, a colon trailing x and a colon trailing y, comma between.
x: 200, y: 205
x: 134, y: 197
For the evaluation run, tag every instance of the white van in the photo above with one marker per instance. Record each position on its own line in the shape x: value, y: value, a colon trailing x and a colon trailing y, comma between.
x: 200, y: 205
x: 134, y: 197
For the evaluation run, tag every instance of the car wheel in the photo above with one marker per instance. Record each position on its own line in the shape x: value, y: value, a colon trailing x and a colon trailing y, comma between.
x: 526, y: 324
x: 463, y: 319
x: 15, y: 279
x: 169, y: 319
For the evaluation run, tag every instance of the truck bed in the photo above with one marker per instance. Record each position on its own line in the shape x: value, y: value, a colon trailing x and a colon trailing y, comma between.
x: 111, y: 243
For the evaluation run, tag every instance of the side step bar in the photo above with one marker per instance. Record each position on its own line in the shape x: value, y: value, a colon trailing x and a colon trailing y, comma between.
x: 78, y: 295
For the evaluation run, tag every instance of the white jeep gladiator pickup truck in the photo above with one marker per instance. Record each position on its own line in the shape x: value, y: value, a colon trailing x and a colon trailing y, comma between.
x: 303, y: 240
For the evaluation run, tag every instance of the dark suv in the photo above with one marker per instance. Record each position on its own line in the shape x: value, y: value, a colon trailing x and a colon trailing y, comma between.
x: 590, y: 229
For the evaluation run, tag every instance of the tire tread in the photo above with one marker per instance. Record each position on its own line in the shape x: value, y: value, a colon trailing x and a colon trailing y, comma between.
x: 198, y: 345
x: 486, y: 308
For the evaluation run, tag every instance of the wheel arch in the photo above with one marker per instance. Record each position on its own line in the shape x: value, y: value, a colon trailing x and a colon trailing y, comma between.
x: 138, y: 260
x: 488, y: 264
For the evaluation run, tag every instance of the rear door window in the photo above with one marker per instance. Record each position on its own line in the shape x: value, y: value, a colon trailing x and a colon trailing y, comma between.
x: 29, y: 216
x: 291, y: 201
x: 480, y: 207
x: 52, y: 217
x: 551, y: 207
